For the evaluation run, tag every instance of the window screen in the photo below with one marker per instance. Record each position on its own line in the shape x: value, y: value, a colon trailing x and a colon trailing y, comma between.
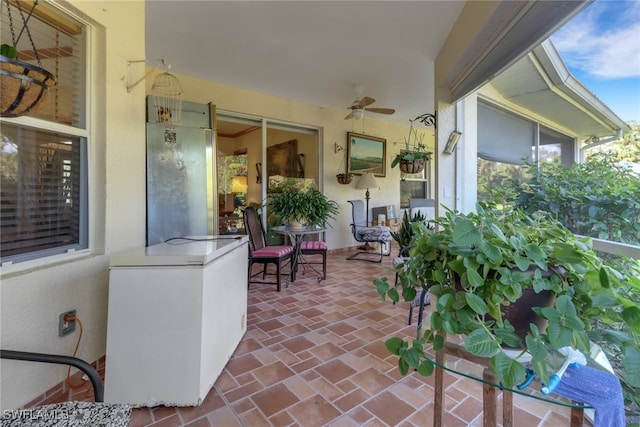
x: 59, y: 49
x: 42, y: 187
x: 503, y: 137
x: 43, y: 165
x: 414, y: 185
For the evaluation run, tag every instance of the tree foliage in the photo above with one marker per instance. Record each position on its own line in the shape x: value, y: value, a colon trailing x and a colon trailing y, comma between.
x: 626, y: 149
x: 599, y: 198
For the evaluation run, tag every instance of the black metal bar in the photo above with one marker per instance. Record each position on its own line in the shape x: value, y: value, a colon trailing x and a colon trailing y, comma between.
x: 96, y: 381
x: 427, y: 118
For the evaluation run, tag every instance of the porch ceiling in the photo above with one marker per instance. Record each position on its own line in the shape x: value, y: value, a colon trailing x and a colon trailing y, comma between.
x: 309, y: 51
x: 317, y: 51
x: 541, y: 83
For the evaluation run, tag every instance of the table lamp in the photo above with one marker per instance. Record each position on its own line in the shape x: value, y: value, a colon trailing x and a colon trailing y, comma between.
x: 368, y: 180
x: 239, y: 184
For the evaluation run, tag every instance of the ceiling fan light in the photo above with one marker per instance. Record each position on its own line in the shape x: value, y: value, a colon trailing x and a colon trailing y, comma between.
x: 358, y: 114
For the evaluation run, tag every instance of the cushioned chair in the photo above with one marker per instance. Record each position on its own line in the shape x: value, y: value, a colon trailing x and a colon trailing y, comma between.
x: 314, y: 247
x: 261, y: 253
x: 365, y: 234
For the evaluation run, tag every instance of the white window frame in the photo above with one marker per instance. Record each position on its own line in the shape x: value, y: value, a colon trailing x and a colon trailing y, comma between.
x: 67, y: 253
x: 426, y: 173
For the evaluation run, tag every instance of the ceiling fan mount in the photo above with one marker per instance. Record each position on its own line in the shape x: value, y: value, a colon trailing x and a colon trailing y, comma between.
x: 360, y: 105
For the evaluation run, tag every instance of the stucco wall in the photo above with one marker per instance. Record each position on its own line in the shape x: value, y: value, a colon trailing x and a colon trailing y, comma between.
x: 34, y: 294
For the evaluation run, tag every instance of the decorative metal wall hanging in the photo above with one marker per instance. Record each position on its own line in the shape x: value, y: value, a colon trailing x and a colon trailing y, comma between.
x: 427, y: 118
x: 166, y: 93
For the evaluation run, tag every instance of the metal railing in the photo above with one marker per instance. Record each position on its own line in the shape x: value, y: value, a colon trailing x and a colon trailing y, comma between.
x: 94, y: 377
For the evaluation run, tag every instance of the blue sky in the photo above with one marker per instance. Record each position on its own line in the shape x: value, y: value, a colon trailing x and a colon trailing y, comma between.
x: 601, y: 48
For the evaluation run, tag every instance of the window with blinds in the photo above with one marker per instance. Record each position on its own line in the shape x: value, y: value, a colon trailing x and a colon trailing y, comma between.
x: 41, y: 191
x: 55, y: 43
x: 43, y: 165
x: 414, y: 185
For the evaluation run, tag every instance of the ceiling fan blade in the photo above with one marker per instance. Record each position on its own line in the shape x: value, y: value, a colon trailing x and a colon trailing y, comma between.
x: 366, y: 101
x: 381, y: 110
x: 350, y: 115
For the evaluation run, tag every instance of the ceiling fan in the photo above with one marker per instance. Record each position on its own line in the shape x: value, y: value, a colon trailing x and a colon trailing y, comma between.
x: 359, y: 106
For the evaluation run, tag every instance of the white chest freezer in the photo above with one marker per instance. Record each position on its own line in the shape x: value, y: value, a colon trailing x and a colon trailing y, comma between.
x: 177, y: 311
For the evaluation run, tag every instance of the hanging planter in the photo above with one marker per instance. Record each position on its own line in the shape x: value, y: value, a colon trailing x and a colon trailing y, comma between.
x: 344, y: 178
x: 412, y: 166
x: 23, y: 86
x: 413, y: 158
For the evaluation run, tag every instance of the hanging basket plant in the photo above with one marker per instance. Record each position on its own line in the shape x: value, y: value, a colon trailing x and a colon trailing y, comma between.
x: 413, y: 159
x: 344, y: 178
x: 412, y: 166
x: 23, y: 86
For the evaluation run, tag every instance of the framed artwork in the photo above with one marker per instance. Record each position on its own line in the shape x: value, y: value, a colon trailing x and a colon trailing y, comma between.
x: 282, y: 159
x: 366, y: 153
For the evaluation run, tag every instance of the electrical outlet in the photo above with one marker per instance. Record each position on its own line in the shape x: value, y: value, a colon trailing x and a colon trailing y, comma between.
x: 65, y: 327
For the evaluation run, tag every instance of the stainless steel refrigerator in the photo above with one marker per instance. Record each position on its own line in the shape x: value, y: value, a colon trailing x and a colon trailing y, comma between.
x: 180, y: 171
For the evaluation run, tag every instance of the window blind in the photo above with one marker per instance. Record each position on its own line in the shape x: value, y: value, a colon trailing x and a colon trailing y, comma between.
x: 61, y: 51
x: 41, y: 188
x: 503, y: 137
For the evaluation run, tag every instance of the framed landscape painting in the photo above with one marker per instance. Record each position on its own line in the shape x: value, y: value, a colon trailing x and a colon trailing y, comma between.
x: 366, y: 153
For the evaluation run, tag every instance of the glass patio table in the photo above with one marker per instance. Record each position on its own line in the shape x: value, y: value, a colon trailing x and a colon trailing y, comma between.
x: 477, y: 368
x: 297, y: 235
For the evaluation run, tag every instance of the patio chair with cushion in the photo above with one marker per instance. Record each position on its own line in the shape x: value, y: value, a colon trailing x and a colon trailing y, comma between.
x: 314, y: 247
x: 261, y: 253
x: 366, y: 234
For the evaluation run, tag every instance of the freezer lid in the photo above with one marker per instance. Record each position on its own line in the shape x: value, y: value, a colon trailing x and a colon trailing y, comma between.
x: 192, y: 250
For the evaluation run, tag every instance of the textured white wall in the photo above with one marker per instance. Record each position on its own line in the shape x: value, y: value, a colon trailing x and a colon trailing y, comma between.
x: 468, y: 155
x: 34, y: 294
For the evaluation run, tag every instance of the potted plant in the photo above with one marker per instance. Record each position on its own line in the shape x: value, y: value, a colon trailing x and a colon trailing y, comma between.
x: 412, y: 161
x: 305, y: 208
x: 478, y: 265
x: 405, y: 231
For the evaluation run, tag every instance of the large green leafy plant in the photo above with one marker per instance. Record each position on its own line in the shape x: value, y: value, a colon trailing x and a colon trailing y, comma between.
x: 597, y: 198
x: 310, y: 207
x: 419, y: 153
x: 479, y: 263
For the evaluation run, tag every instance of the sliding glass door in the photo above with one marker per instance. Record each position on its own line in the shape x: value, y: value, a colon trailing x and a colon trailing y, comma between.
x: 254, y: 156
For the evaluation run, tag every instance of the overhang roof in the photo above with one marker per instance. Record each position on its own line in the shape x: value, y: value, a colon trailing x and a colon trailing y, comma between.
x: 541, y: 83
x: 317, y: 51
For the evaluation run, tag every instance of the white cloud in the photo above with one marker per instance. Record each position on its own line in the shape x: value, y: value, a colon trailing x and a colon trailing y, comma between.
x: 603, y: 40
